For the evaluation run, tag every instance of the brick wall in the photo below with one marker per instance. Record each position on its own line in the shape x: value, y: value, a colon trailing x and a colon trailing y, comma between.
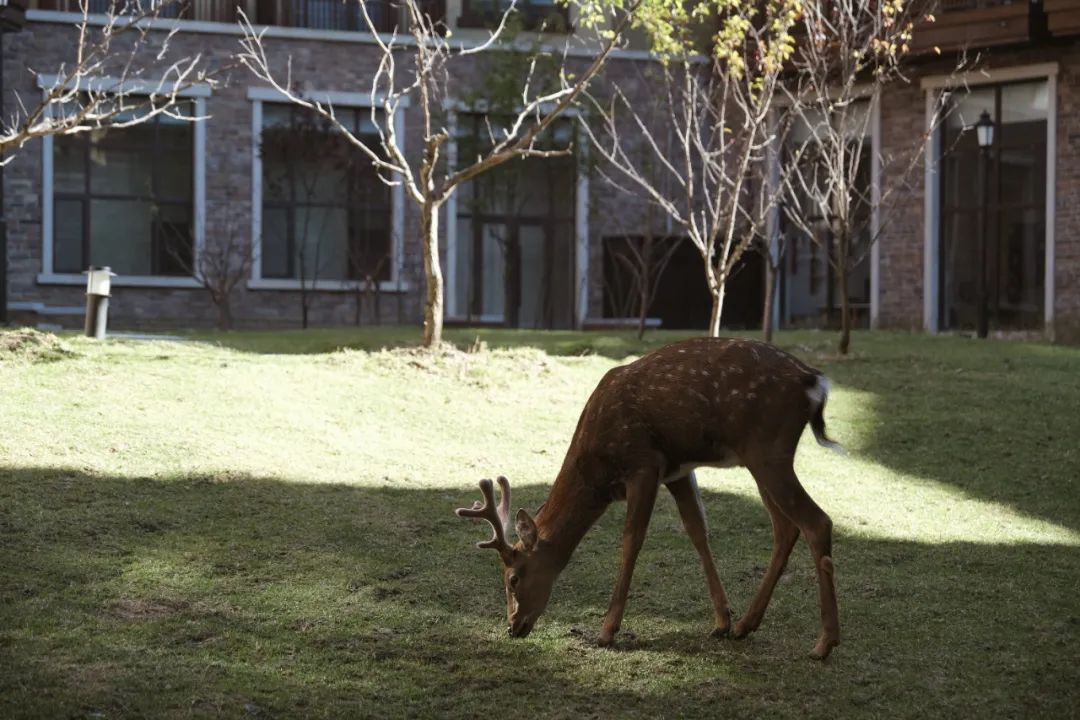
x: 902, y: 241
x: 323, y: 65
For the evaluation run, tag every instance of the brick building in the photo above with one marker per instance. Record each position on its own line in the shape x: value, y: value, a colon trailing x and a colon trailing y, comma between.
x: 541, y: 255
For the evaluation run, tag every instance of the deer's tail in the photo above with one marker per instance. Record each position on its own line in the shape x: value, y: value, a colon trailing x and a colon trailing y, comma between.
x: 818, y: 392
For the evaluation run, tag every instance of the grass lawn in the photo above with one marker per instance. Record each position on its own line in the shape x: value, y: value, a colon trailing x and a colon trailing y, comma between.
x: 263, y: 527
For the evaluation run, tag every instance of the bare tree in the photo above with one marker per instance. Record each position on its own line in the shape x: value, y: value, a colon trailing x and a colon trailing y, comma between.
x: 427, y: 81
x: 714, y: 132
x: 851, y: 52
x: 122, y: 73
x: 366, y: 282
x: 223, y: 262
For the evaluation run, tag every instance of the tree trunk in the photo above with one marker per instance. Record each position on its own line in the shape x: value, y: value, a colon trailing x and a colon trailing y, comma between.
x: 224, y: 320
x: 643, y: 307
x: 303, y: 310
x: 717, y: 290
x: 845, y: 309
x: 770, y: 291
x: 433, y: 307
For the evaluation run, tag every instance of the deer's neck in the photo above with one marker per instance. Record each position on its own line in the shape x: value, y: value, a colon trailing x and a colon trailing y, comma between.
x: 570, y: 510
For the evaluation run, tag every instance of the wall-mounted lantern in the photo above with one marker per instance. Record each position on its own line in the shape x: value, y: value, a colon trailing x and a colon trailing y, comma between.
x: 98, y: 285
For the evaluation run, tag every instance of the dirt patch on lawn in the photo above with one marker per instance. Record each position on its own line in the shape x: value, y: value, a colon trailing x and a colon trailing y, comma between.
x: 136, y: 609
x: 478, y: 366
x: 29, y: 345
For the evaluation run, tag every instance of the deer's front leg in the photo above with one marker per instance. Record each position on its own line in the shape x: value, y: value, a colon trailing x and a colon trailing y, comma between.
x: 688, y: 499
x: 640, y: 497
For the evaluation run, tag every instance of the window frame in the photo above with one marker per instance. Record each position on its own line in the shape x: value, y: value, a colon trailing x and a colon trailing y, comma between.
x: 48, y: 276
x: 581, y: 280
x: 259, y: 96
x: 932, y: 86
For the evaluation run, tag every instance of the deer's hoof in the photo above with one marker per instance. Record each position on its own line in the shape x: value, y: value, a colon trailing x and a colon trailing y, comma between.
x: 823, y: 647
x: 724, y: 630
x: 742, y: 629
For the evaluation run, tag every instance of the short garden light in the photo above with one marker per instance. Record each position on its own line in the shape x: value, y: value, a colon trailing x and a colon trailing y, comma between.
x: 98, y: 284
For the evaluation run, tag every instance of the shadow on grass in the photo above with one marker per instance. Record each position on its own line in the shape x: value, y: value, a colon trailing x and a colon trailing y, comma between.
x: 230, y: 595
x: 1004, y: 412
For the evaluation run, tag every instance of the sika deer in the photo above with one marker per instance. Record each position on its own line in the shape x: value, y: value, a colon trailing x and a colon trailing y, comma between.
x: 705, y: 402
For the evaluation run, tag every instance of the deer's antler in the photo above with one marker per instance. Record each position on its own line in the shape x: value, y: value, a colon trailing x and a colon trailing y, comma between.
x: 497, y: 515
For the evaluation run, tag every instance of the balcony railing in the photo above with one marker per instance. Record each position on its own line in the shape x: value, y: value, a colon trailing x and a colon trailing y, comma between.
x: 326, y: 14
x: 314, y: 14
x: 961, y: 24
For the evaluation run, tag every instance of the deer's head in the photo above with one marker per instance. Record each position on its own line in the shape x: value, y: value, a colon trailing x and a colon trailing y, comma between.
x: 528, y: 571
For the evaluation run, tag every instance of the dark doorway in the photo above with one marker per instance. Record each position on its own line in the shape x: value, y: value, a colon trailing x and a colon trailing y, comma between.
x: 682, y: 299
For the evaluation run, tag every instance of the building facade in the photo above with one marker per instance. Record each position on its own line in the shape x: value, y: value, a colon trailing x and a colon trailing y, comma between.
x: 532, y: 244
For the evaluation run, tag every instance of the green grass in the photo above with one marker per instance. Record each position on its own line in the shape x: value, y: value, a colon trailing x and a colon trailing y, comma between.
x: 261, y: 525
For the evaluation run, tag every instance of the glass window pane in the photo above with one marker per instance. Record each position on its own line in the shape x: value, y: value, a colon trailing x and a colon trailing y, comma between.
x: 275, y: 248
x: 968, y: 106
x: 120, y: 235
x: 961, y: 180
x: 275, y: 180
x: 321, y: 243
x: 69, y: 165
x: 175, y: 181
x: 68, y: 236
x: 116, y: 171
x: 1023, y: 175
x: 173, y: 251
x: 1020, y: 271
x: 463, y: 273
x: 494, y: 261
x: 1025, y: 102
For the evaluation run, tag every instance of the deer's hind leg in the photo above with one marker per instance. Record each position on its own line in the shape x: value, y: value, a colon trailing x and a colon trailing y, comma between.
x: 778, y: 481
x: 785, y: 534
x: 688, y: 500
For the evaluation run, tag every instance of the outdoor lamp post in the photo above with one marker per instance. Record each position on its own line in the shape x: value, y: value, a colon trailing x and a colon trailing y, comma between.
x: 984, y: 131
x: 12, y: 17
x: 98, y: 284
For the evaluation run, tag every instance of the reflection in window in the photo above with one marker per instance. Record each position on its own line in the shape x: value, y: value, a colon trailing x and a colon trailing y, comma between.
x: 325, y: 212
x: 515, y: 233
x: 1015, y: 180
x: 123, y: 198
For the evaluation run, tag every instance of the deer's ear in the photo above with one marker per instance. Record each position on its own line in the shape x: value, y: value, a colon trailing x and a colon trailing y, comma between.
x: 526, y: 529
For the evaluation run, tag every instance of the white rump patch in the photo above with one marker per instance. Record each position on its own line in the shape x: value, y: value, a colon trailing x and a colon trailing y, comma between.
x: 819, y: 392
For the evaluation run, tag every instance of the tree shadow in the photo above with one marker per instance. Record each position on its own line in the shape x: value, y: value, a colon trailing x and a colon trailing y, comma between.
x: 223, y: 594
x: 1005, y: 412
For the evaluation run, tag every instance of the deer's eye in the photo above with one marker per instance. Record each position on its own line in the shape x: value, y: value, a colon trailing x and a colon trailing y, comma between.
x: 513, y: 580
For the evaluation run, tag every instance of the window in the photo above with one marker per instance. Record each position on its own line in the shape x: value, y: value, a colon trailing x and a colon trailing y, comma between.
x: 326, y: 215
x: 124, y: 198
x: 515, y: 234
x: 809, y: 284
x: 1015, y: 210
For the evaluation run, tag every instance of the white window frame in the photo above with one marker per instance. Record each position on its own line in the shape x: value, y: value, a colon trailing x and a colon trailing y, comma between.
x: 933, y: 85
x: 260, y: 95
x: 197, y: 93
x: 581, y: 225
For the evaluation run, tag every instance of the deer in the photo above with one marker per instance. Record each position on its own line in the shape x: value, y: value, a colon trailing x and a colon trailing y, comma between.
x: 703, y: 402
